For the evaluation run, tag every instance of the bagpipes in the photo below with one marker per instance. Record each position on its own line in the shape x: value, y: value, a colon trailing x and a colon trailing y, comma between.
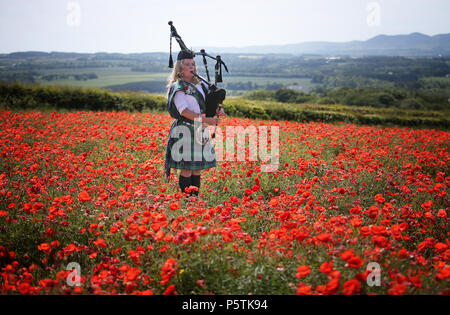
x: 214, y: 96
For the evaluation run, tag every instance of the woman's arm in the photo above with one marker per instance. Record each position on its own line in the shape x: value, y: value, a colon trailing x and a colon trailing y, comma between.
x: 205, y: 120
x: 189, y: 114
x: 181, y: 101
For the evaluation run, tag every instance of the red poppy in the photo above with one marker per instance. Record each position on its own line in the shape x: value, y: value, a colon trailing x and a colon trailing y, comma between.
x: 351, y: 287
x: 84, y: 196
x: 379, y: 199
x: 175, y: 205
x: 397, y: 289
x: 347, y: 254
x: 100, y: 243
x: 326, y: 267
x: 354, y: 262
x: 132, y: 274
x: 45, y: 248
x: 303, y: 271
x: 427, y: 205
x: 170, y: 290
x: 324, y: 237
x: 24, y: 288
x: 332, y: 286
x: 303, y: 289
x: 168, y: 270
x: 443, y: 274
x: 373, y: 212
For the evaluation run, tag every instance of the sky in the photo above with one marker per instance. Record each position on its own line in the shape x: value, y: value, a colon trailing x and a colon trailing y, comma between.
x: 136, y: 26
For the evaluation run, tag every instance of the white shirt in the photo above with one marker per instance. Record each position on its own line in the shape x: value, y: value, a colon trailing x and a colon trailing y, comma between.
x: 183, y: 101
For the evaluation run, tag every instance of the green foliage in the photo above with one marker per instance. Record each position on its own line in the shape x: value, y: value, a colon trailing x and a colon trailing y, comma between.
x: 21, y: 96
x: 285, y: 95
x: 358, y: 97
x: 142, y: 86
x: 326, y: 100
x: 260, y: 95
x: 336, y: 113
x: 366, y: 81
x: 79, y: 77
x: 411, y: 103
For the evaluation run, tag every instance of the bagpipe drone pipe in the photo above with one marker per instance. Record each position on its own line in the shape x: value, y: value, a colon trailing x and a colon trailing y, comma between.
x: 214, y: 96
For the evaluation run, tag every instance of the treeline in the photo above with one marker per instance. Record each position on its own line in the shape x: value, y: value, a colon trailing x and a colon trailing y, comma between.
x: 160, y: 86
x: 358, y: 97
x: 33, y: 76
x: 249, y: 86
x: 141, y: 86
x: 326, y: 71
x: 150, y: 67
x: 23, y: 97
x: 24, y: 77
x: 78, y: 77
x: 32, y: 65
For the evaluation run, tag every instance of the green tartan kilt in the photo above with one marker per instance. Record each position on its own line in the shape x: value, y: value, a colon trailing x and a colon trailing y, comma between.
x: 186, y: 153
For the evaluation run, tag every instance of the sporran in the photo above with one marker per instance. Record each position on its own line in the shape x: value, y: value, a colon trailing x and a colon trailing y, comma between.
x: 202, y: 135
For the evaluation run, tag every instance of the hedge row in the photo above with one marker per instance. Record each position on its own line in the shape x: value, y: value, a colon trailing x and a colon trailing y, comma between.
x: 336, y: 113
x: 377, y: 98
x: 21, y: 96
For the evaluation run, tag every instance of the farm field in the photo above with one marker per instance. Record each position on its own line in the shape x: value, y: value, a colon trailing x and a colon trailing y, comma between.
x: 351, y: 209
x: 122, y: 78
x: 377, y: 81
x: 106, y: 77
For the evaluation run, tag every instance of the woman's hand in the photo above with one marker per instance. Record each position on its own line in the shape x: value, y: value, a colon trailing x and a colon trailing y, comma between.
x: 211, y: 121
x: 220, y: 111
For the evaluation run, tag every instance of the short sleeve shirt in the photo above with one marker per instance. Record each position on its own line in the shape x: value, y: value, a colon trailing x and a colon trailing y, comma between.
x: 183, y: 101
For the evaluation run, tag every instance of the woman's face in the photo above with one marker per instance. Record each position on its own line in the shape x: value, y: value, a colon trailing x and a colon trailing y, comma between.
x: 188, y: 66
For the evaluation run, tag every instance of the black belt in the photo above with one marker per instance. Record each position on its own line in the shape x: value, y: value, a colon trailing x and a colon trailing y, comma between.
x: 185, y: 120
x: 188, y: 121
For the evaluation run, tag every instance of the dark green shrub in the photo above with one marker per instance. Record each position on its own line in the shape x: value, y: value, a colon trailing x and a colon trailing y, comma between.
x: 326, y: 100
x: 285, y: 95
x: 410, y: 103
x: 260, y: 95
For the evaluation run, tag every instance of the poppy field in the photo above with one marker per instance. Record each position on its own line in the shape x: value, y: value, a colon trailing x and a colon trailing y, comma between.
x: 351, y: 209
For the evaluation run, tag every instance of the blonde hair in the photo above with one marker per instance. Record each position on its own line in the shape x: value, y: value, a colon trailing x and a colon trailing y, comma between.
x: 177, y: 75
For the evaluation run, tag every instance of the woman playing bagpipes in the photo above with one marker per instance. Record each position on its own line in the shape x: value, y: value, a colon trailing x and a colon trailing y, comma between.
x: 188, y: 149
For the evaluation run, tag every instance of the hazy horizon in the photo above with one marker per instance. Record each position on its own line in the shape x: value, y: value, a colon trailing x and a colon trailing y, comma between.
x: 137, y: 26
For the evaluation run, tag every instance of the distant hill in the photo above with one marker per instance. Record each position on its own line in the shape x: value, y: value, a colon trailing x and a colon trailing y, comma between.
x: 99, y: 55
x: 415, y: 44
